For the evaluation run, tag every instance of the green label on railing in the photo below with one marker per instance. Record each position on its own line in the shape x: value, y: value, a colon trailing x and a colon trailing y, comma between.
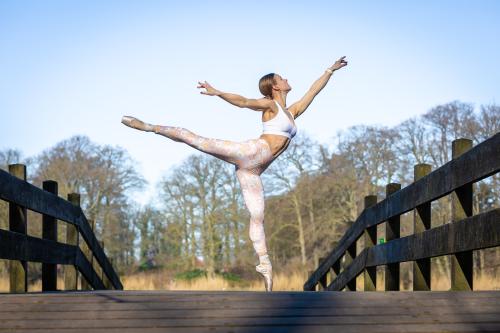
x: 381, y: 241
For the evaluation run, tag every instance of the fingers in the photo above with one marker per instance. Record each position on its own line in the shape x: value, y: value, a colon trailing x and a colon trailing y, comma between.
x: 203, y: 85
x: 341, y: 62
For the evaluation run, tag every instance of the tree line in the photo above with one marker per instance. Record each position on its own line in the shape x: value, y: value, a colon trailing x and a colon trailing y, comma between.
x: 313, y: 191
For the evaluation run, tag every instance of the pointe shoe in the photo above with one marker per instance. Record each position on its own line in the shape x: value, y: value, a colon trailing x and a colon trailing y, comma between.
x: 267, y: 273
x: 136, y: 123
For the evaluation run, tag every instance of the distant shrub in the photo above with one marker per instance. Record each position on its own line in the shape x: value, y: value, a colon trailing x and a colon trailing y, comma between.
x: 189, y: 275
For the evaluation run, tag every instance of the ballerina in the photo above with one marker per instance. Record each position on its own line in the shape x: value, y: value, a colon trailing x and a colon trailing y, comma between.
x: 251, y: 157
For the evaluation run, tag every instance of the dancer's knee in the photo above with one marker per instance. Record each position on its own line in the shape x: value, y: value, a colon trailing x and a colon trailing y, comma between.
x: 256, y: 232
x: 175, y: 133
x: 257, y: 216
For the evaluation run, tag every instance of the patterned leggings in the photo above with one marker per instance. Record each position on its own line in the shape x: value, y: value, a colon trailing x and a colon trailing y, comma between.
x: 250, y: 158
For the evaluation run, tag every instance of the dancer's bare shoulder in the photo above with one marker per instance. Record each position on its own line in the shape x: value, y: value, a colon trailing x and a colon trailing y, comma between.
x: 259, y: 104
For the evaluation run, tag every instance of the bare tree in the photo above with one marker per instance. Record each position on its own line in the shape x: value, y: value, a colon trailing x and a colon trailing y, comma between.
x: 105, y: 176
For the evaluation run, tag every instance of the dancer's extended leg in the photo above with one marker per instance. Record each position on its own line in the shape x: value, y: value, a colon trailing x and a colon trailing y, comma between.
x: 253, y: 194
x: 237, y: 153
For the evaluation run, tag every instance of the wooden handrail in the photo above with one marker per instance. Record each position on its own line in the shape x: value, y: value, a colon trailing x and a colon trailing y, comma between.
x: 476, y: 164
x: 22, y: 193
x: 473, y: 233
x: 16, y: 246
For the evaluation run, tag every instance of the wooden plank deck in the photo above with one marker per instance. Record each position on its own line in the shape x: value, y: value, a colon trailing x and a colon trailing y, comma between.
x: 235, y: 311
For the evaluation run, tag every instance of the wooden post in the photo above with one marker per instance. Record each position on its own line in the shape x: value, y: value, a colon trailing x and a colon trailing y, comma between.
x: 370, y: 273
x: 49, y: 231
x: 422, y: 222
x: 18, y: 221
x: 461, y: 207
x: 349, y: 257
x: 323, y: 279
x: 335, y: 269
x: 392, y: 231
x: 89, y: 255
x: 309, y: 273
x: 70, y: 272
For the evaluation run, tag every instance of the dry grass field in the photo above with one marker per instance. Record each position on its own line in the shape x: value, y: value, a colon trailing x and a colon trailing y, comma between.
x: 159, y: 280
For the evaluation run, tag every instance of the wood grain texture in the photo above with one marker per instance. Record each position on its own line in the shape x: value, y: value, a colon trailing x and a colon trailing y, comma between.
x: 475, y: 232
x: 476, y: 164
x: 19, y: 192
x: 204, y: 311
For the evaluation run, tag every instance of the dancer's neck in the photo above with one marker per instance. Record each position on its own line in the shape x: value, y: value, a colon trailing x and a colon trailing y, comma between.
x: 281, y: 98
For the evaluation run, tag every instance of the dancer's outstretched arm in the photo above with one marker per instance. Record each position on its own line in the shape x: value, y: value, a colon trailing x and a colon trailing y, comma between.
x: 238, y: 100
x: 297, y: 108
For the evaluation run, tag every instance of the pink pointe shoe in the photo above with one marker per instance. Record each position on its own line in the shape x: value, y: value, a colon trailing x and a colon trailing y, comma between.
x: 136, y: 123
x: 267, y: 273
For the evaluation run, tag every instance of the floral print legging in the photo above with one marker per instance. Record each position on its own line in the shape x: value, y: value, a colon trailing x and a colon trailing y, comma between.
x: 250, y: 158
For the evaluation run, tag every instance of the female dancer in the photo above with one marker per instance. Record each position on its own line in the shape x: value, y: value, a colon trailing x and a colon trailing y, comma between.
x: 251, y: 157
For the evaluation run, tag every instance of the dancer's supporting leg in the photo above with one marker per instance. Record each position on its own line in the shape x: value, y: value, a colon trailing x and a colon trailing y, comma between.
x: 253, y: 194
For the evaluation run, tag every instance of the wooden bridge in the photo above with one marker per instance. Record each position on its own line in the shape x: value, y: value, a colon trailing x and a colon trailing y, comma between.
x: 114, y: 310
x: 233, y: 311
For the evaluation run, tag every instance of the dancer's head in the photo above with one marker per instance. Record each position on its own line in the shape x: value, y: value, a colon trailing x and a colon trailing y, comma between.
x: 272, y: 84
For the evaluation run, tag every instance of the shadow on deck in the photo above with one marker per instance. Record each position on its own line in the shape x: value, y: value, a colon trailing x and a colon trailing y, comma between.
x: 239, y: 311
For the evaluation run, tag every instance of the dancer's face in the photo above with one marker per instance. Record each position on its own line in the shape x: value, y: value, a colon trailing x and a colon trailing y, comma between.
x: 281, y: 83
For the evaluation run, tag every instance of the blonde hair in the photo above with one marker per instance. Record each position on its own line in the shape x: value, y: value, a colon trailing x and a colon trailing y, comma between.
x: 266, y: 85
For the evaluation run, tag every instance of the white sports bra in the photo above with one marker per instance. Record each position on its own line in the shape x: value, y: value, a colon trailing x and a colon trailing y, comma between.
x: 280, y: 124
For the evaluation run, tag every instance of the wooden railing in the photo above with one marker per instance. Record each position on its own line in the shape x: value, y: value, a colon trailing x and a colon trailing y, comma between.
x: 20, y: 248
x: 465, y: 233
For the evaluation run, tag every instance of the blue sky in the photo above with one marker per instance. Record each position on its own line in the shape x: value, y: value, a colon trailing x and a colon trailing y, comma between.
x: 75, y: 67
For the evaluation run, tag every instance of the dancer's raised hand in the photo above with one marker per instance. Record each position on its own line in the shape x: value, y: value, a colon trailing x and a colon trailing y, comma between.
x: 211, y: 91
x: 339, y: 64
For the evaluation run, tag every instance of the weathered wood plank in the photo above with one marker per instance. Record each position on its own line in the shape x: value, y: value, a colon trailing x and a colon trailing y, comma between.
x: 166, y: 295
x: 18, y: 222
x: 70, y: 271
x: 421, y: 222
x: 27, y: 195
x: 87, y: 270
x: 478, y: 163
x: 16, y: 246
x: 49, y: 231
x: 227, y: 304
x: 400, y: 320
x: 461, y: 271
x: 475, y: 232
x: 89, y: 314
x: 410, y: 328
x: 392, y: 231
x: 370, y: 273
x: 203, y: 311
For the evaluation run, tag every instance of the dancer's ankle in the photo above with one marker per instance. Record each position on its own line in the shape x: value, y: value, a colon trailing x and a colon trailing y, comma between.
x: 264, y: 259
x: 156, y: 129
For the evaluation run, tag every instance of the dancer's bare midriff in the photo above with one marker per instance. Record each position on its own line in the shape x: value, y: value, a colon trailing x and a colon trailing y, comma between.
x: 277, y: 143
